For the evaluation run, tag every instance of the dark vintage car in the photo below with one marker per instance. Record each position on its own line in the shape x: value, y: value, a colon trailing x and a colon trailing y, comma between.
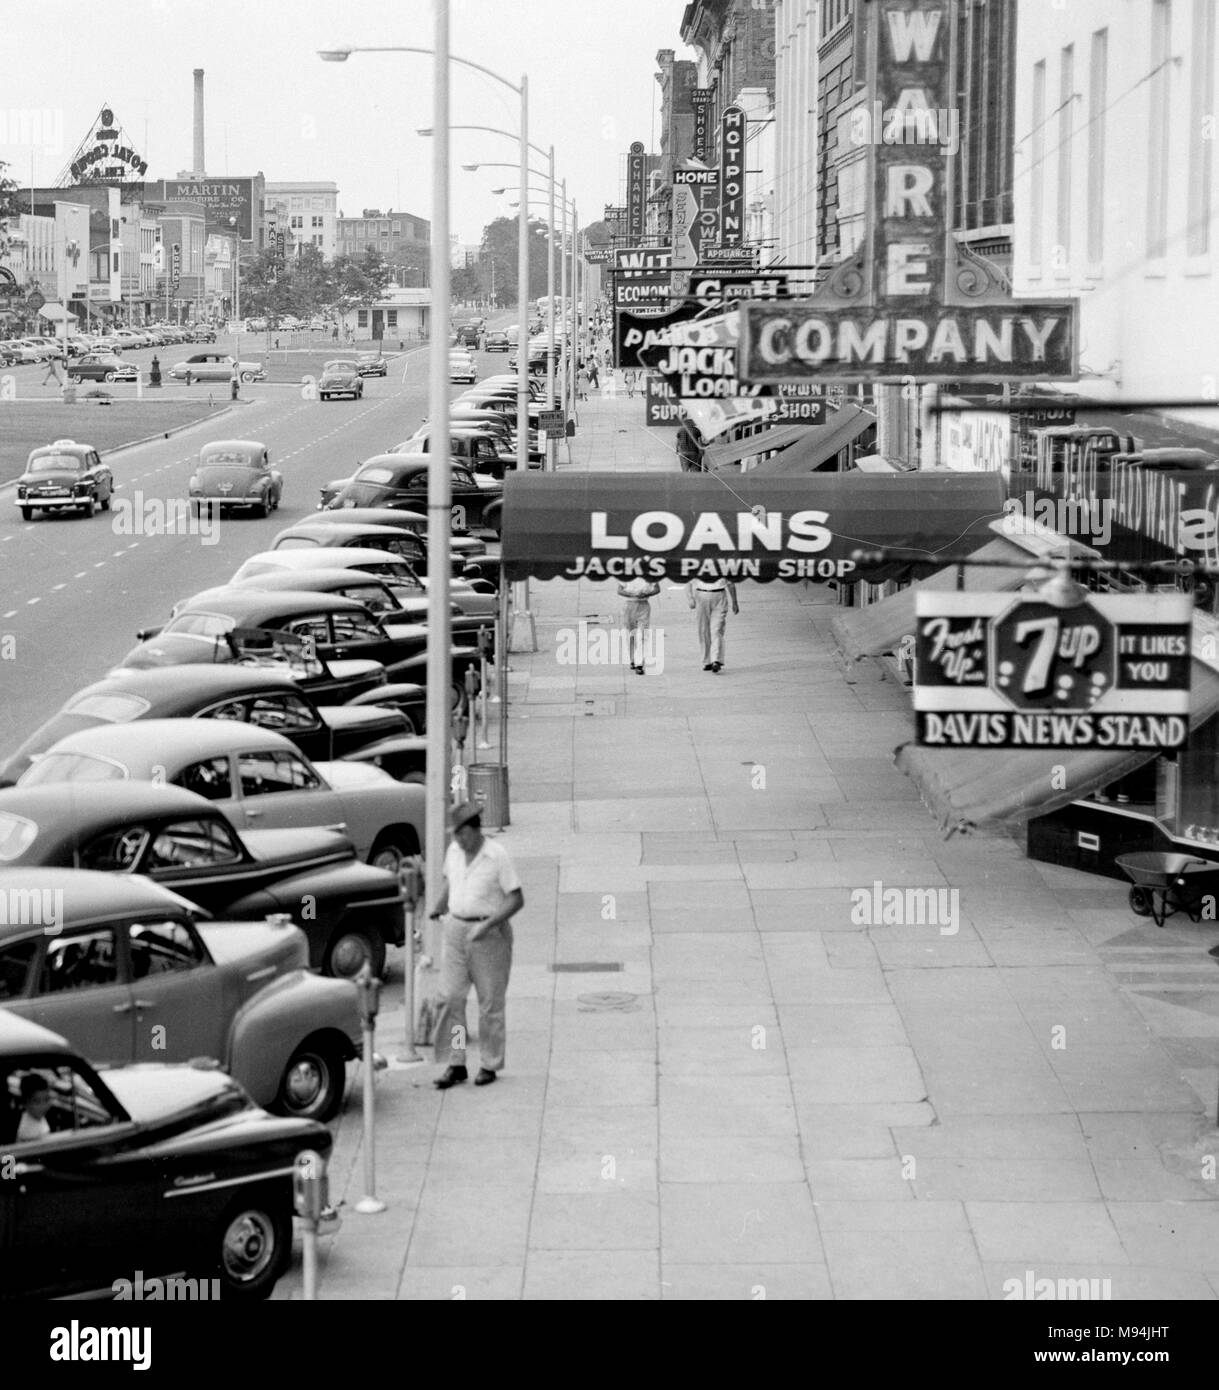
x: 478, y: 449
x: 401, y: 481
x: 64, y: 476
x: 462, y: 547
x: 167, y: 1170
x: 102, y: 366
x: 247, y: 695
x: 257, y: 777
x: 340, y: 378
x: 349, y: 911
x: 132, y: 972
x: 236, y: 474
x: 336, y: 629
x: 338, y: 533
x: 467, y: 335
x: 497, y: 341
x: 372, y: 364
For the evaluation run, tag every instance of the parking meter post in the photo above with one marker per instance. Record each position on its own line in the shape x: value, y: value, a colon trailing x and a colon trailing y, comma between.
x: 310, y: 1196
x: 482, y: 697
x: 370, y: 996
x: 412, y: 887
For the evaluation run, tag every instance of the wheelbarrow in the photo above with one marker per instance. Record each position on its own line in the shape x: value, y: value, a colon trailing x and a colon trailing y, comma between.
x: 1165, y: 884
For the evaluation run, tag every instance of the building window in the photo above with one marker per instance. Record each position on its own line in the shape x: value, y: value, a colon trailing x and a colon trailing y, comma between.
x: 1098, y: 89
x: 319, y: 221
x: 297, y: 222
x: 833, y: 12
x: 385, y: 230
x: 318, y: 239
x: 298, y: 202
x: 1201, y: 117
x: 1066, y: 133
x: 361, y: 318
x: 318, y: 203
x: 391, y: 318
x: 1158, y: 132
x: 1037, y: 154
x: 397, y: 228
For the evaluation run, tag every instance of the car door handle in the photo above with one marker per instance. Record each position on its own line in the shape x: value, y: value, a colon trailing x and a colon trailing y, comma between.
x: 264, y: 973
x: 146, y: 1003
x: 123, y: 1008
x: 253, y: 814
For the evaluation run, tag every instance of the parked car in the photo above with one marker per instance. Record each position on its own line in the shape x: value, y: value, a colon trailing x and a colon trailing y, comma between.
x: 19, y: 352
x: 168, y: 1170
x: 401, y: 480
x: 215, y: 366
x: 372, y: 364
x: 478, y: 449
x: 256, y: 776
x: 263, y: 698
x: 340, y: 378
x: 349, y: 911
x: 311, y: 531
x: 64, y: 476
x: 102, y: 366
x: 236, y: 473
x: 470, y: 548
x: 497, y: 341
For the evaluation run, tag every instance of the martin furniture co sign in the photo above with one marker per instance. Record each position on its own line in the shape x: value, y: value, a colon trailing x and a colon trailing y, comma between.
x: 1015, y: 671
x: 912, y: 305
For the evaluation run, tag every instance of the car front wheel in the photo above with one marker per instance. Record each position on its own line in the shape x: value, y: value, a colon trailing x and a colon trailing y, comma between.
x: 351, y: 949
x: 390, y: 851
x: 108, y: 377
x: 313, y: 1082
x: 27, y: 513
x: 87, y: 508
x: 247, y: 377
x: 253, y: 1245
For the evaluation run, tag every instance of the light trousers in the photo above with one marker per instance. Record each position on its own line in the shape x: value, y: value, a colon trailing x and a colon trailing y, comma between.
x: 636, y: 614
x: 485, y: 964
x: 711, y: 615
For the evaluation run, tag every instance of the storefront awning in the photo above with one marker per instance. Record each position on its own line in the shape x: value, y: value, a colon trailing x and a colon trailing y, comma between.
x: 819, y: 443
x: 778, y: 437
x: 685, y: 525
x: 55, y: 313
x: 967, y: 787
x: 881, y: 626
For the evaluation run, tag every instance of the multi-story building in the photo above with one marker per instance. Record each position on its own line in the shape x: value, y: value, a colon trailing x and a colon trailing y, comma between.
x: 96, y: 234
x: 401, y: 237
x: 183, y: 225
x: 138, y: 235
x: 677, y: 79
x: 307, y: 213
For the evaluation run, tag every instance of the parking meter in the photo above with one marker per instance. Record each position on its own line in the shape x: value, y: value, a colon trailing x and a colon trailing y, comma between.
x: 310, y: 1186
x: 370, y: 996
x: 411, y: 877
x: 486, y: 640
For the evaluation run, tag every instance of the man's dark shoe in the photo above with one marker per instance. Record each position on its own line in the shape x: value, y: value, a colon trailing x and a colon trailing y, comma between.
x: 484, y: 1077
x: 709, y: 666
x: 717, y: 666
x: 450, y: 1077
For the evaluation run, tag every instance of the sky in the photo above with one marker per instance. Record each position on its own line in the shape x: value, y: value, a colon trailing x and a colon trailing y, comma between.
x: 271, y: 104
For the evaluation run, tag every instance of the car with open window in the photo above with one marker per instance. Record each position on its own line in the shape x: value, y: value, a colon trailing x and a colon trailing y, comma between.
x: 349, y: 911
x: 64, y: 476
x: 169, y: 1169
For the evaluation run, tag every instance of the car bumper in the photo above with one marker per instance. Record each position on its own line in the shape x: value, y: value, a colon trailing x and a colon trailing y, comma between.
x: 52, y: 503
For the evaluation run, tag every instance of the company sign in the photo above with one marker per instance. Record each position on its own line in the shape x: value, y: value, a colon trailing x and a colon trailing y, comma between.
x: 634, y: 331
x: 695, y: 217
x: 641, y: 278
x: 732, y: 176
x: 221, y: 200
x: 598, y: 255
x: 1014, y: 671
x: 716, y: 254
x: 635, y: 189
x: 703, y: 99
x: 107, y: 158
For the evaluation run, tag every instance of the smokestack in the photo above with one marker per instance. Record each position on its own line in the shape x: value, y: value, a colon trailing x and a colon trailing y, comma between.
x: 200, y: 170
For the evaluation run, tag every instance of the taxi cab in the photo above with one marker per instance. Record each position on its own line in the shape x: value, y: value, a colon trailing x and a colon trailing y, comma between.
x: 64, y: 476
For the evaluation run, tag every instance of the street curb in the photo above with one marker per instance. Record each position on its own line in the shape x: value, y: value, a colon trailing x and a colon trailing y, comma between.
x: 149, y: 438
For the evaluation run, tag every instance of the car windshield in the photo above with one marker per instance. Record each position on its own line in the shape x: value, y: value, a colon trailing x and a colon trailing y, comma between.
x: 108, y: 709
x: 17, y: 834
x: 227, y: 456
x: 71, y: 767
x: 369, y: 357
x: 202, y: 624
x: 375, y: 475
x: 338, y: 366
x: 55, y: 463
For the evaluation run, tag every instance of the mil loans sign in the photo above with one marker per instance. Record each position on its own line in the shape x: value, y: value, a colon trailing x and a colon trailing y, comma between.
x: 912, y: 305
x: 1014, y: 671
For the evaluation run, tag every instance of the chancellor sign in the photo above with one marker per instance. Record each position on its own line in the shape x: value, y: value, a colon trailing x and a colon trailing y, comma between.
x: 786, y: 342
x: 1016, y: 671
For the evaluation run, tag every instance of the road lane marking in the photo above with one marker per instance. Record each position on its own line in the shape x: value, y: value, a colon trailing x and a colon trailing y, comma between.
x: 80, y: 574
x: 12, y: 613
x: 56, y: 587
x: 33, y: 600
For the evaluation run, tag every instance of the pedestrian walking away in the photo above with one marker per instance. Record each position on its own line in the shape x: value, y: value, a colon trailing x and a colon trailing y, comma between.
x: 481, y: 894
x: 594, y: 379
x: 628, y: 380
x: 636, y: 616
x: 709, y: 598
x: 689, y: 449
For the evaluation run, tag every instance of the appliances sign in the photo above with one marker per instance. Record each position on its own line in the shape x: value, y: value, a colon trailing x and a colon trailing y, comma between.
x: 1015, y: 671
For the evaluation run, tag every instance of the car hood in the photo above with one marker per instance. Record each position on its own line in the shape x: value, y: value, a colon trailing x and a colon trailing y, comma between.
x: 157, y: 1092
x: 287, y: 847
x: 375, y: 720
x: 176, y: 649
x: 273, y: 947
x: 344, y: 776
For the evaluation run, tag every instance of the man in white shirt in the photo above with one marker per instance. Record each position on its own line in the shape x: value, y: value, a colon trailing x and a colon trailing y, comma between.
x: 636, y: 614
x: 482, y: 893
x: 709, y: 599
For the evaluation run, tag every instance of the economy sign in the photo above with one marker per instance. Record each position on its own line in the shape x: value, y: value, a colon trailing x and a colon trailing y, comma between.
x: 802, y: 338
x: 1016, y: 671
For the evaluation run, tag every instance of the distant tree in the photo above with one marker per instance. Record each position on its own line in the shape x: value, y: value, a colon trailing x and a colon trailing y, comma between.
x: 8, y: 206
x: 500, y: 246
x: 359, y: 281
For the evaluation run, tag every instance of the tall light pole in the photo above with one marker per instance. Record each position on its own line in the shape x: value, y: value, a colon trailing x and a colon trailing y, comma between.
x: 568, y: 381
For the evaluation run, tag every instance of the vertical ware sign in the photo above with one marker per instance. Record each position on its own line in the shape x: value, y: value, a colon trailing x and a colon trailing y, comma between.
x: 732, y: 177
x: 634, y: 192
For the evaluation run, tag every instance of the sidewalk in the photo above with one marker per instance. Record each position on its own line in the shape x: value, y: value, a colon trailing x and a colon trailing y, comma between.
x: 732, y: 1083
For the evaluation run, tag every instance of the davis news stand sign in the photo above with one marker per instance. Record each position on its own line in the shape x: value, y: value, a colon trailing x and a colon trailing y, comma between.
x: 1014, y: 671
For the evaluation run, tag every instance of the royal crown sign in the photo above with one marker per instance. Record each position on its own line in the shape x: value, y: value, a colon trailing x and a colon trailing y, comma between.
x: 911, y: 304
x: 1111, y: 671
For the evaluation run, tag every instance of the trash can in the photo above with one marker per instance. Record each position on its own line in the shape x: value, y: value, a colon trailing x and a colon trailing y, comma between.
x: 69, y: 395
x: 488, y: 785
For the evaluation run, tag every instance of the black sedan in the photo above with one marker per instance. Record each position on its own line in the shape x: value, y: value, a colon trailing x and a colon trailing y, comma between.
x: 349, y: 911
x: 64, y: 476
x: 372, y: 364
x: 247, y: 695
x: 401, y: 480
x: 168, y: 1170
